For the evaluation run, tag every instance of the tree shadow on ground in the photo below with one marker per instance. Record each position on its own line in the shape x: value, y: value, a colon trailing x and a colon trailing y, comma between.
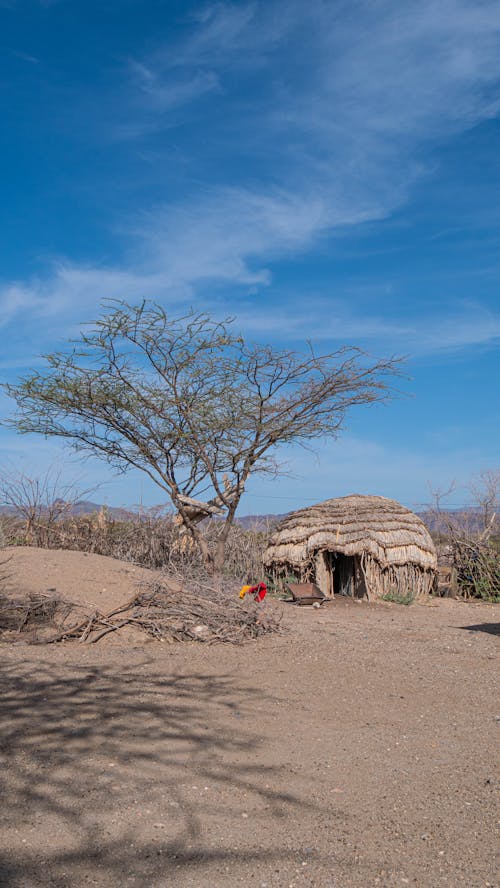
x: 490, y: 628
x: 123, y: 774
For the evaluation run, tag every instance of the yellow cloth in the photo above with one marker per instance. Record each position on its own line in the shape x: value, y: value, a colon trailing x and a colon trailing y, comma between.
x: 244, y: 591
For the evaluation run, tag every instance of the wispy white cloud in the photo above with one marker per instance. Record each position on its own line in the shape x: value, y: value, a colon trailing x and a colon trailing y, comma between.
x: 72, y: 295
x: 229, y: 233
x: 174, y: 252
x: 25, y: 57
x: 405, y: 71
x: 164, y: 95
x: 469, y: 325
x: 238, y: 34
x: 362, y: 465
x: 465, y: 325
x: 344, y: 100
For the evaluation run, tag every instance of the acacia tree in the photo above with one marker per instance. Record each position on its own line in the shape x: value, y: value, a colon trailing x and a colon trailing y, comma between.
x: 191, y: 404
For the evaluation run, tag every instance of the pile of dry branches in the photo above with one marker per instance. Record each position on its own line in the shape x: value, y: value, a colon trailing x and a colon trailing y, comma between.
x: 166, y: 610
x: 469, y: 540
x: 477, y: 568
x: 30, y: 614
x: 178, y: 614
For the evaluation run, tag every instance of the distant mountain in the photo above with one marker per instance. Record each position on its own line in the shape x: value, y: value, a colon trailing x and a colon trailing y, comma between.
x: 471, y: 519
x: 84, y: 507
x: 437, y: 523
x: 259, y: 522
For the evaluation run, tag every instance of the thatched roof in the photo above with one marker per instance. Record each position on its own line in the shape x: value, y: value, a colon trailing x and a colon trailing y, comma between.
x: 353, y: 525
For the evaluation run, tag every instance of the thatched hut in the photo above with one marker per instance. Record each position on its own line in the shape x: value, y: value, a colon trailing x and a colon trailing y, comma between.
x: 362, y: 546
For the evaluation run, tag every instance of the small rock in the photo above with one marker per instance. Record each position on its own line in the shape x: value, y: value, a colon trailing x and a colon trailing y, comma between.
x: 201, y: 629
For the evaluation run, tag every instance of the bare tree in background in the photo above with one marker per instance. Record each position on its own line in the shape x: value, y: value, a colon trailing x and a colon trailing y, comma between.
x: 480, y: 519
x: 485, y: 491
x: 191, y: 404
x: 40, y: 501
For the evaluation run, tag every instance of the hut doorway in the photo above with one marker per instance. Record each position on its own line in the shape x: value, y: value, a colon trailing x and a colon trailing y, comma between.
x: 339, y: 574
x: 342, y: 567
x: 346, y: 575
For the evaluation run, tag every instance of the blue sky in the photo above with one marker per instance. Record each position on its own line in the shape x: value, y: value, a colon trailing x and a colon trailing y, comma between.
x: 322, y: 170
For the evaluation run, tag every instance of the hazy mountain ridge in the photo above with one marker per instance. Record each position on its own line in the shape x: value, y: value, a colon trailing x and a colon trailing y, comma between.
x: 435, y: 522
x: 81, y: 507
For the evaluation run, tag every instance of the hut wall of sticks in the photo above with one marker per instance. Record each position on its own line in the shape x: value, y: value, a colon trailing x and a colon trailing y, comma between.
x: 362, y: 546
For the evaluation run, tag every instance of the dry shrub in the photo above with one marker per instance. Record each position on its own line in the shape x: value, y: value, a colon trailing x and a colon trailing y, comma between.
x: 148, y: 540
x: 244, y: 550
x: 469, y: 540
x: 469, y: 560
x: 38, y: 611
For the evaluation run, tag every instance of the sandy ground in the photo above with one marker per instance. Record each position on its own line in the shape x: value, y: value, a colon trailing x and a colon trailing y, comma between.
x: 356, y: 749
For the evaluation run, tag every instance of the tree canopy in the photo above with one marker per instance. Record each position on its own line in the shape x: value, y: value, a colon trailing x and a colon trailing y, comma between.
x: 189, y: 402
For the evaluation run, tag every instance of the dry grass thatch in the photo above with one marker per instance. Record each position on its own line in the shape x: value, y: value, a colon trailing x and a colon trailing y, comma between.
x: 393, y: 544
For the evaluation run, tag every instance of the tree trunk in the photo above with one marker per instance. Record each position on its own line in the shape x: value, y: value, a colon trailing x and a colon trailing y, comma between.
x: 201, y: 543
x: 214, y: 562
x: 220, y: 551
x: 220, y: 556
x: 208, y: 558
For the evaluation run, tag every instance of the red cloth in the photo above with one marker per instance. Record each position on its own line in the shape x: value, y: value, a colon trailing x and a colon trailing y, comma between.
x: 259, y: 592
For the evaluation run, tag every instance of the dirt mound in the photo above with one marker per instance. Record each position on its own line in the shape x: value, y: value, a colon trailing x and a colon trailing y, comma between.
x: 90, y: 581
x: 76, y: 583
x: 60, y: 595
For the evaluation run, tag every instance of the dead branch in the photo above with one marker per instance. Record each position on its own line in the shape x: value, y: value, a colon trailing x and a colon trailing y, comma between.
x: 164, y: 610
